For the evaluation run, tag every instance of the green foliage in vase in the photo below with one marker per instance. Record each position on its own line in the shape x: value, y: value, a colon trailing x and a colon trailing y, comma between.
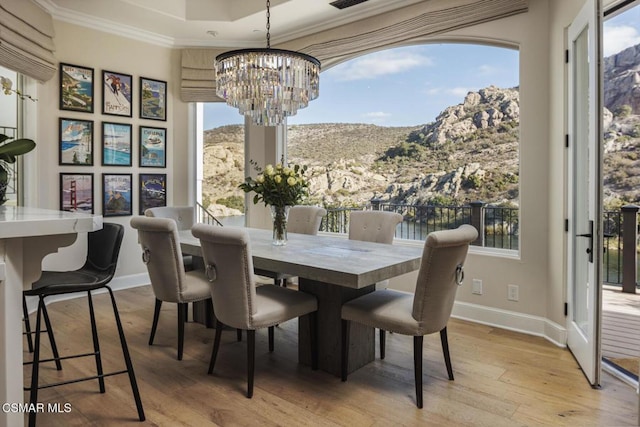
x: 279, y: 185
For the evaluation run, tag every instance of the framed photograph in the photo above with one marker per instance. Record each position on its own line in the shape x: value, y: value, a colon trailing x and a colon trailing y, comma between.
x: 76, y: 192
x: 153, y: 147
x: 116, y: 94
x: 116, y: 194
x: 76, y: 88
x: 76, y: 142
x: 153, y: 99
x: 152, y: 190
x: 116, y: 144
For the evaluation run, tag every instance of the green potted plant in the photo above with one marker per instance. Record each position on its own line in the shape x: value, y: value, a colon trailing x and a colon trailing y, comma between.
x: 10, y: 150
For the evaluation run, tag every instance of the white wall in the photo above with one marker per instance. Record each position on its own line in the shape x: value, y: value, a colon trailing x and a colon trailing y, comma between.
x: 101, y: 51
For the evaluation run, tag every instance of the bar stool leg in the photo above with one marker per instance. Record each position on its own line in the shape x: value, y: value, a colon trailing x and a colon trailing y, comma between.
x: 127, y: 358
x: 96, y: 344
x: 33, y: 395
x: 27, y: 324
x: 52, y: 339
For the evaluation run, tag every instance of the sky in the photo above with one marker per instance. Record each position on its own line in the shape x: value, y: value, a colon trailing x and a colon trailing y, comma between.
x: 410, y: 86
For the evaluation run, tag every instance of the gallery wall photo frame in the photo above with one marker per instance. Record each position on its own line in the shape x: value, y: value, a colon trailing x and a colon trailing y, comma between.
x: 76, y: 192
x: 116, y: 144
x: 152, y: 191
x: 117, y: 94
x: 76, y: 88
x: 153, y: 99
x: 152, y: 147
x: 75, y: 142
x: 117, y: 194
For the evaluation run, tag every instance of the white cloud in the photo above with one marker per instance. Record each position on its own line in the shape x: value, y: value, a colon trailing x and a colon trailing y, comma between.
x: 618, y: 38
x: 376, y: 116
x: 458, y: 91
x: 455, y: 91
x: 379, y: 64
x: 487, y: 69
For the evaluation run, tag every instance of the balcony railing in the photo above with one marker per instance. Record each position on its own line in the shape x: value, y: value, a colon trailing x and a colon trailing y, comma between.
x: 498, y: 225
x: 499, y: 228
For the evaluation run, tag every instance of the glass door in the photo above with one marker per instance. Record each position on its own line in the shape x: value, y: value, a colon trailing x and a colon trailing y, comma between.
x: 585, y: 189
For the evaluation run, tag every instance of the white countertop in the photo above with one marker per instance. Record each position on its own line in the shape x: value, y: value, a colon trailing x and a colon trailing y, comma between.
x: 19, y: 221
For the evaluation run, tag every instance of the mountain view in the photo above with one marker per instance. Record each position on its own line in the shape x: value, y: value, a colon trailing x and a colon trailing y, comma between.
x: 468, y: 153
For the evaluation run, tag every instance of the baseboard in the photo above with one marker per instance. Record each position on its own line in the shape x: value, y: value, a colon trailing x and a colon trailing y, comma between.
x: 511, y: 320
x: 117, y: 284
x: 505, y: 319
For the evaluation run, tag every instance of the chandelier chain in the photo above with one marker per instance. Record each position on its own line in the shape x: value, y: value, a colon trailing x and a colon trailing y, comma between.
x: 268, y: 24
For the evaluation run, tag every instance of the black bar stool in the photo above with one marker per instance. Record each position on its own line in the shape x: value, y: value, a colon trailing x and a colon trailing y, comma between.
x: 96, y: 273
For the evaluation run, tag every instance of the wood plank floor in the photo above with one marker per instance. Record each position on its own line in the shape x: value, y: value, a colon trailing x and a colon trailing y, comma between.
x: 620, y: 325
x: 502, y: 379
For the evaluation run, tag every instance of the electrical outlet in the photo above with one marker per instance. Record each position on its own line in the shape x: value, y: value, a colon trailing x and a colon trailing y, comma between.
x: 512, y: 292
x: 476, y: 286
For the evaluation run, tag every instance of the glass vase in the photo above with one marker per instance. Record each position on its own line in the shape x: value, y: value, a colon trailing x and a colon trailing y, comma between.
x: 279, y: 215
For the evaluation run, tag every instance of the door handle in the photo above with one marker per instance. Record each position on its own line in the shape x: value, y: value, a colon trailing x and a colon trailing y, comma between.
x: 590, y: 237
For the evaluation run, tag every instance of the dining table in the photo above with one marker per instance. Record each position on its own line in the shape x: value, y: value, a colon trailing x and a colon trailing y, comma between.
x: 335, y: 270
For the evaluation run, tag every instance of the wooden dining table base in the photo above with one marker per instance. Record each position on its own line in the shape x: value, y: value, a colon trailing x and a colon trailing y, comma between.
x: 361, y: 337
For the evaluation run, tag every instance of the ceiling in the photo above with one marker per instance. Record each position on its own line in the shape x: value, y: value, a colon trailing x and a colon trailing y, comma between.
x: 213, y: 23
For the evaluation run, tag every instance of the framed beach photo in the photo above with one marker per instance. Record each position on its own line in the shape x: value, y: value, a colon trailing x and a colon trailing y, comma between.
x: 153, y: 147
x: 76, y: 192
x: 116, y: 94
x: 76, y: 142
x: 116, y: 194
x: 153, y: 99
x: 152, y: 191
x: 76, y: 88
x: 116, y: 144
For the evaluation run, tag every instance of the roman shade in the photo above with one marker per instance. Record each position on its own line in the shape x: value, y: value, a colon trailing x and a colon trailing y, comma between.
x: 26, y: 39
x: 344, y: 42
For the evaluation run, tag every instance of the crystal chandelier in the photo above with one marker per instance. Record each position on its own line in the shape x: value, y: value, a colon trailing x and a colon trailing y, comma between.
x: 267, y: 84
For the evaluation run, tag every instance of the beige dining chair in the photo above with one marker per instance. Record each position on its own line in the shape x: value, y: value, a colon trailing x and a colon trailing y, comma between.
x: 377, y: 227
x: 238, y: 303
x: 162, y: 255
x: 425, y: 312
x: 184, y: 216
x: 301, y: 220
x: 373, y: 226
x: 305, y: 219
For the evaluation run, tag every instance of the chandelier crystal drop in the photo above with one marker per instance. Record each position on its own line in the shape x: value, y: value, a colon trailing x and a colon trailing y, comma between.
x: 267, y: 85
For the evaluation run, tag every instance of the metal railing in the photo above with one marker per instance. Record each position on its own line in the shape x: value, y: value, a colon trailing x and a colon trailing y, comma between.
x: 499, y: 228
x: 205, y: 217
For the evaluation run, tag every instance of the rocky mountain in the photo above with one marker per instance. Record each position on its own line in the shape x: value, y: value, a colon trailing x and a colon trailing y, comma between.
x: 469, y: 152
x: 622, y: 127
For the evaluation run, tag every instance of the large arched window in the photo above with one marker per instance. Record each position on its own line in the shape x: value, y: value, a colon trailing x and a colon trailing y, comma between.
x: 423, y: 130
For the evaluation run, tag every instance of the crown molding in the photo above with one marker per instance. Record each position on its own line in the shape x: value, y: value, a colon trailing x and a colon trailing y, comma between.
x: 89, y: 21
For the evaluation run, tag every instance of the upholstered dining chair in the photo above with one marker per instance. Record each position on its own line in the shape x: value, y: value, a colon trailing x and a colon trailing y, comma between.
x: 184, y: 216
x: 425, y: 312
x: 305, y: 219
x: 302, y: 220
x: 238, y: 303
x: 163, y: 257
x: 377, y: 227
x: 103, y: 248
x: 373, y: 226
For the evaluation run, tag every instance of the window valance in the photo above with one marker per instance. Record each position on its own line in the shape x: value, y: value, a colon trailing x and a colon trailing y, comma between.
x: 333, y: 46
x: 26, y: 39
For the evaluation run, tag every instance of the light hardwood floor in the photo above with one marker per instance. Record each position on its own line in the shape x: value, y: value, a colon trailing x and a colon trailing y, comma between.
x: 502, y: 379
